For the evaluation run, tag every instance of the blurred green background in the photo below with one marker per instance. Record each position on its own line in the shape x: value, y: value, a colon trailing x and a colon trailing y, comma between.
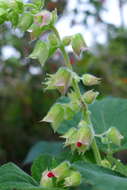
x: 23, y: 102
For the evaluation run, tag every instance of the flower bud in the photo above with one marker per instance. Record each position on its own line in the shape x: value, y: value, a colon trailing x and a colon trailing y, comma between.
x: 55, y: 116
x: 78, y: 44
x: 53, y: 39
x: 90, y: 80
x: 73, y: 180
x: 47, y: 179
x: 90, y: 96
x: 61, y: 80
x: 67, y: 40
x: 114, y: 136
x: 62, y: 170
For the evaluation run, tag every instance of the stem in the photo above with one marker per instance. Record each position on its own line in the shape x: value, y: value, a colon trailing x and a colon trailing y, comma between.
x: 77, y: 90
x: 96, y: 152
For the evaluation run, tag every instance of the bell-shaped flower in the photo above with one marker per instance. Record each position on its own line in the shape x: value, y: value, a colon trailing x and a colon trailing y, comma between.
x: 47, y: 179
x: 78, y: 44
x: 114, y: 136
x: 61, y: 80
x: 90, y: 80
x: 90, y: 96
x: 84, y: 138
x: 79, y: 138
x: 55, y: 115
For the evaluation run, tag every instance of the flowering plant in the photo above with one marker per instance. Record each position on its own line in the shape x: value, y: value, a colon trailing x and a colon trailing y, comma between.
x: 86, y: 167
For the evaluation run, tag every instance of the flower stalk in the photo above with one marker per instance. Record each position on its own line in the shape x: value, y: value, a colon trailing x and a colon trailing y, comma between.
x: 77, y: 91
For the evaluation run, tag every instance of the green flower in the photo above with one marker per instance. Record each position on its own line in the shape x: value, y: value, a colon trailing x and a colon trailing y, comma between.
x: 90, y: 96
x: 55, y: 115
x: 61, y: 80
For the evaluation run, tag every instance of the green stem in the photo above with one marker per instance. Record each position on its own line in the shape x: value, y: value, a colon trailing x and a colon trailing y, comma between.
x: 77, y: 90
x: 96, y: 152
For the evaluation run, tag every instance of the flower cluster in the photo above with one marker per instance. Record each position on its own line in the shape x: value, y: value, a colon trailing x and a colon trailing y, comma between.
x: 79, y: 139
x: 63, y: 174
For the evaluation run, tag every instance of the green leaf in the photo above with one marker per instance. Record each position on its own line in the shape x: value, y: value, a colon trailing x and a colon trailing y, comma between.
x: 12, y: 177
x: 98, y: 178
x: 40, y: 52
x: 41, y: 164
x: 110, y: 112
x: 52, y: 148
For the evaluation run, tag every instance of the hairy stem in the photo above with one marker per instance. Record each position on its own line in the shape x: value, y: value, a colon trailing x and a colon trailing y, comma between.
x: 77, y: 90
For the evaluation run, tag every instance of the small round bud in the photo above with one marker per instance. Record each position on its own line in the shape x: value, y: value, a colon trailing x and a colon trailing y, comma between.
x: 90, y: 80
x: 67, y: 40
x: 53, y: 39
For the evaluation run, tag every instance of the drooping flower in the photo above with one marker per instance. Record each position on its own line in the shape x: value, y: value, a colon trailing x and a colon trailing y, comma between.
x: 114, y: 136
x: 47, y: 179
x: 79, y: 139
x: 78, y: 44
x: 61, y: 80
x: 55, y: 115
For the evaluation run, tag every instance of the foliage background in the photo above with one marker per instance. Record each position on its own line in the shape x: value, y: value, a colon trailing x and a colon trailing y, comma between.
x: 22, y: 100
